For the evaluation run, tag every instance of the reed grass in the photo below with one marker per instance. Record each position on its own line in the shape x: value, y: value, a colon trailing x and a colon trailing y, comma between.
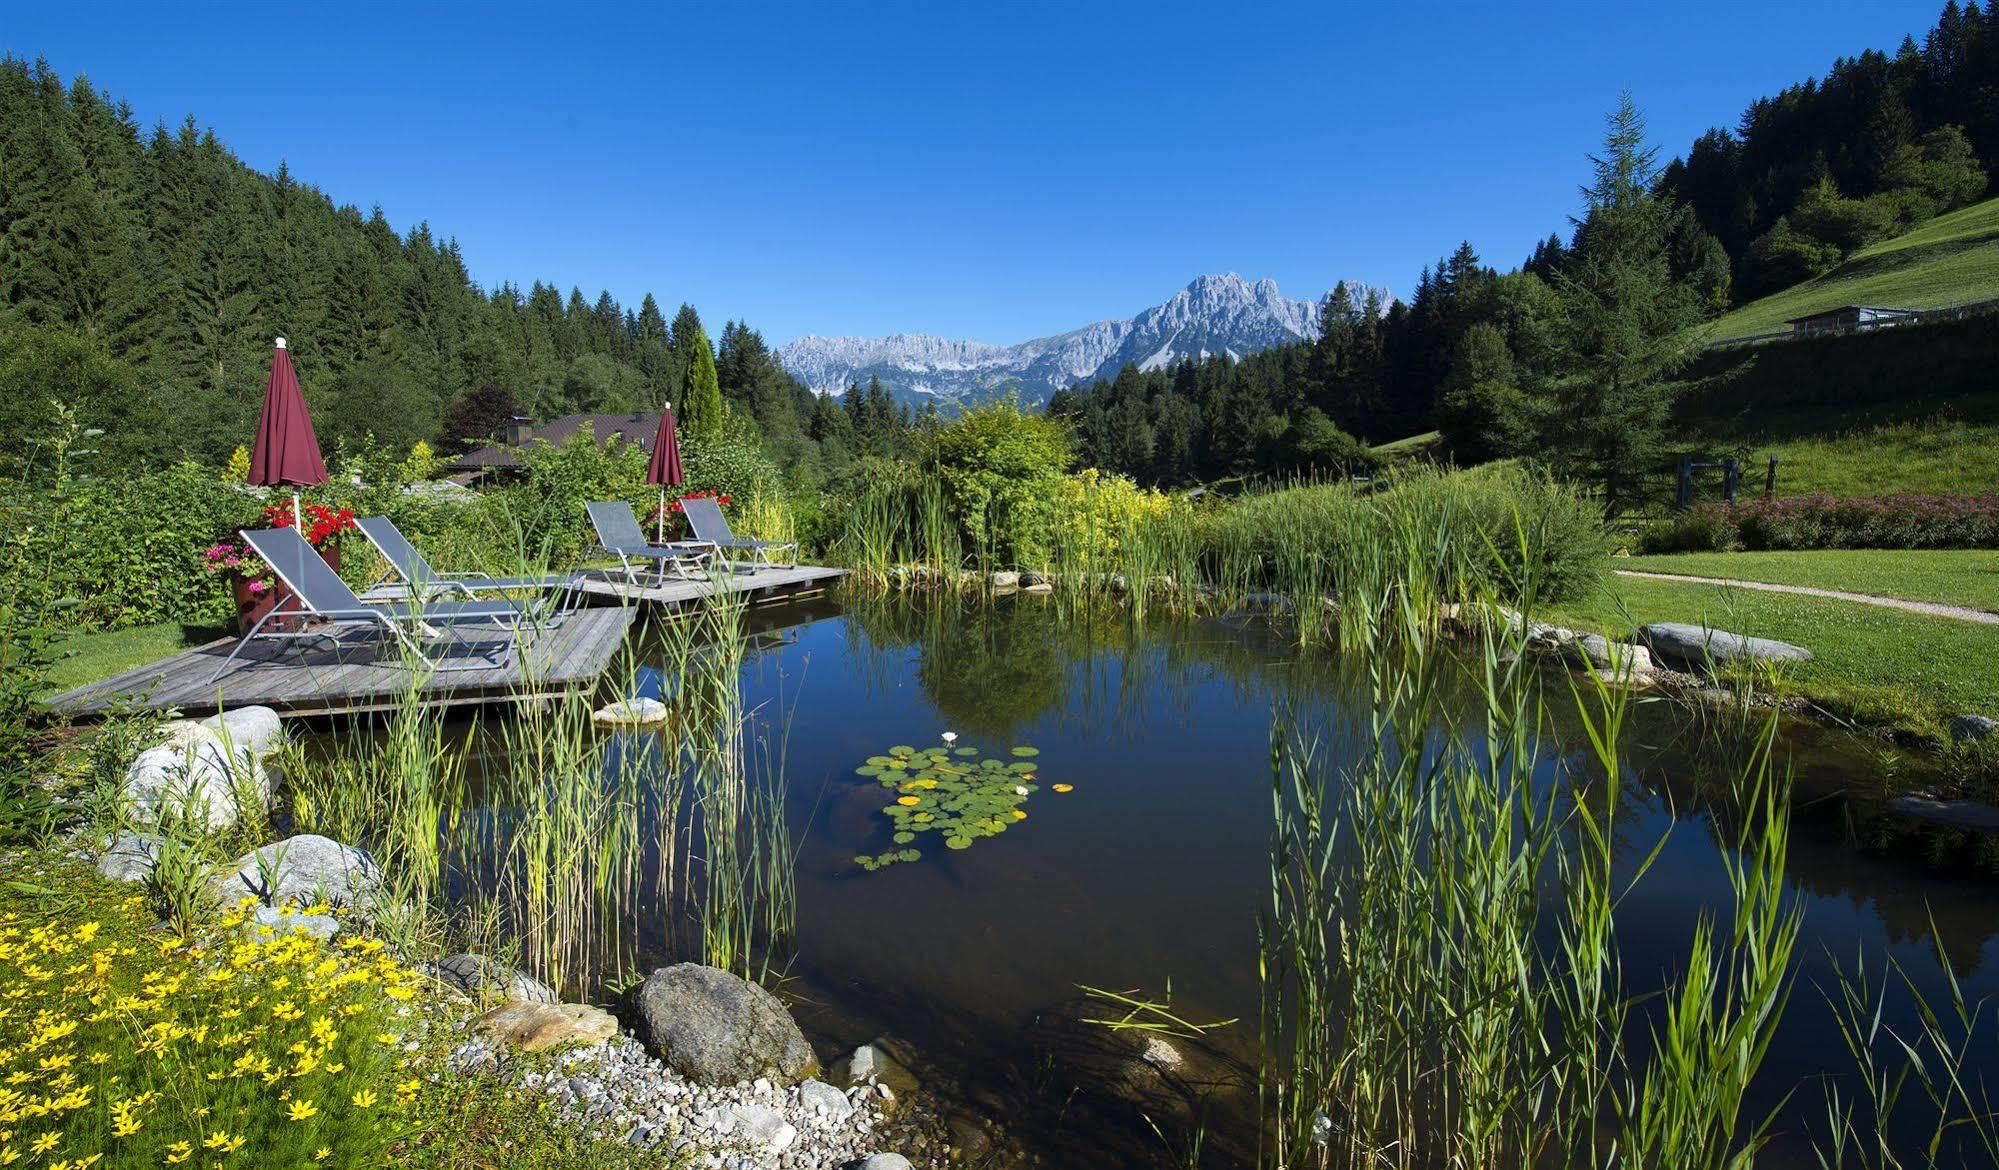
x: 1439, y: 960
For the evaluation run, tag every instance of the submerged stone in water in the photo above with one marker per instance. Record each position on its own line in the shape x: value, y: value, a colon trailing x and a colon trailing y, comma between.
x: 630, y: 713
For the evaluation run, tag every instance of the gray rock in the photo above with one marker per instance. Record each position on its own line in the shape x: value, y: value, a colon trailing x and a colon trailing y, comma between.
x: 1973, y: 728
x: 1031, y: 579
x: 200, y: 779
x: 1006, y: 579
x: 256, y: 728
x: 302, y: 869
x: 880, y: 1162
x: 1699, y: 646
x: 630, y: 713
x: 283, y: 920
x: 1596, y: 652
x: 719, y: 1029
x: 1969, y: 815
x: 481, y: 977
x: 130, y: 857
x: 824, y: 1098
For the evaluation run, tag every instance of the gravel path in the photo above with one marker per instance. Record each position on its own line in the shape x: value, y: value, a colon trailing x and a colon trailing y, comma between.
x: 1962, y: 613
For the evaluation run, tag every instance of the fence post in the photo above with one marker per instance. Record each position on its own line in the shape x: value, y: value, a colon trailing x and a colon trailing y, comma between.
x: 1685, y: 491
x: 1770, y: 480
x: 1731, y: 474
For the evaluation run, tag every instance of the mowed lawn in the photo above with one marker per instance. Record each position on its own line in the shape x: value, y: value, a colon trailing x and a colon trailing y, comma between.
x: 1968, y: 577
x: 1940, y: 454
x: 1877, y: 666
x: 86, y: 657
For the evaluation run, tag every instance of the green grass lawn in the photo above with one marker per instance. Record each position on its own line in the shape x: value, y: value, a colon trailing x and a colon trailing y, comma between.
x: 1875, y: 666
x: 1953, y: 259
x: 86, y: 657
x: 1936, y: 455
x: 1953, y: 576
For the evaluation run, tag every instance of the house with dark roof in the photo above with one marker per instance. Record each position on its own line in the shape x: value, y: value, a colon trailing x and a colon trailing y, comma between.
x: 522, y: 434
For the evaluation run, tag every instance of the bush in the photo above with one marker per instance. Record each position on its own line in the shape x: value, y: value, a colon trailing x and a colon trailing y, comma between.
x: 1907, y: 520
x: 1000, y: 467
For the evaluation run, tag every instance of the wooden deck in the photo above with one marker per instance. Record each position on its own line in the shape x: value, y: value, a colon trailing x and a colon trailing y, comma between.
x: 313, y: 678
x: 765, y: 586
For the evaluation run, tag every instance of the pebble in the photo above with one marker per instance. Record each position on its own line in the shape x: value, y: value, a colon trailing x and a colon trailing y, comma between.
x: 619, y: 1092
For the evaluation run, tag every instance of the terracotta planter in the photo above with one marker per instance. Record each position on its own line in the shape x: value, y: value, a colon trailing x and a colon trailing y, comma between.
x: 252, y: 606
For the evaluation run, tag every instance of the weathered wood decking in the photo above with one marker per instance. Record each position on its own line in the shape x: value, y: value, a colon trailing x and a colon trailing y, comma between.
x: 763, y: 585
x: 314, y: 678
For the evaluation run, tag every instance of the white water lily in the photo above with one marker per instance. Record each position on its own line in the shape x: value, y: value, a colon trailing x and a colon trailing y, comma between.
x: 1020, y: 790
x: 950, y: 737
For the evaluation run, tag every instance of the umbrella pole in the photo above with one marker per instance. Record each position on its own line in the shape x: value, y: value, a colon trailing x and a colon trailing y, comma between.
x: 661, y: 538
x: 298, y: 514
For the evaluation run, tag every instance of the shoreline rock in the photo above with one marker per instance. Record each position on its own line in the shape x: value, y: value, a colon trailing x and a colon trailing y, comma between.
x: 718, y: 1028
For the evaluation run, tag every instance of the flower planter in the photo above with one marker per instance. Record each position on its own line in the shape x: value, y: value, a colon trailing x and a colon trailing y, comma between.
x: 253, y: 604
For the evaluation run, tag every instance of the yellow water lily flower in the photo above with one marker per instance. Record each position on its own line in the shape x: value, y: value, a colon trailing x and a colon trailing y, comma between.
x: 909, y: 800
x: 1065, y: 788
x: 1020, y: 814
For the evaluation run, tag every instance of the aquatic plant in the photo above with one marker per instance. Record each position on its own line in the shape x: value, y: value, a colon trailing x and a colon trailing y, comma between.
x: 954, y: 792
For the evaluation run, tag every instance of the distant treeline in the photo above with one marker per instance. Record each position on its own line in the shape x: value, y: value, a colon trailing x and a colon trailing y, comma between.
x: 143, y: 275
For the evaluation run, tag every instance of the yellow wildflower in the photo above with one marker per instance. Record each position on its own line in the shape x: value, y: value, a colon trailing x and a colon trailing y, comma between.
x: 178, y: 1152
x: 365, y: 1099
x: 300, y: 1110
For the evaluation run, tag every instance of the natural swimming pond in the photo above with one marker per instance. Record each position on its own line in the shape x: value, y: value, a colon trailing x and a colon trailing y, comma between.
x: 1151, y: 870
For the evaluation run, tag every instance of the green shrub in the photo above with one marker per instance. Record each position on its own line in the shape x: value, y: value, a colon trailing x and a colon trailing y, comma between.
x: 1000, y: 468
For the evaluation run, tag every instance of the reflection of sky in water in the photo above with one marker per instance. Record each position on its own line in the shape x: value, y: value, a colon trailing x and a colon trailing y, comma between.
x: 1154, y: 868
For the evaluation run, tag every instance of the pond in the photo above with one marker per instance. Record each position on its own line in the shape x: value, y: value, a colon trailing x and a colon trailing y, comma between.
x: 1150, y: 870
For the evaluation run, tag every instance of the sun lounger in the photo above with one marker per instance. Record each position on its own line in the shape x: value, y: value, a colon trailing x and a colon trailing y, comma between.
x: 416, y: 579
x: 320, y: 594
x: 618, y: 533
x: 704, y: 515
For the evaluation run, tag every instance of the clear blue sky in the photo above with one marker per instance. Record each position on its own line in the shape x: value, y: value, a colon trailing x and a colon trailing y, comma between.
x: 997, y: 172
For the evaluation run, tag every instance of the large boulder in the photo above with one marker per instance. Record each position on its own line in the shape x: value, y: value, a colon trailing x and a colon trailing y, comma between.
x: 255, y: 728
x: 1699, y: 646
x: 202, y: 779
x: 630, y: 713
x: 484, y: 978
x: 304, y: 869
x: 719, y: 1029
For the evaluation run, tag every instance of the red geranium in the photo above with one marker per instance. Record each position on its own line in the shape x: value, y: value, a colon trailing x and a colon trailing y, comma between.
x: 675, y: 518
x: 323, y: 522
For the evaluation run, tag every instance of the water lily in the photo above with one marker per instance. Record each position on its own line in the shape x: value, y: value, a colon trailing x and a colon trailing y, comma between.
x: 950, y: 737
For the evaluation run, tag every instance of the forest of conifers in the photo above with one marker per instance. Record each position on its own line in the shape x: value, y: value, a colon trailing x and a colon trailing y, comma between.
x: 144, y: 272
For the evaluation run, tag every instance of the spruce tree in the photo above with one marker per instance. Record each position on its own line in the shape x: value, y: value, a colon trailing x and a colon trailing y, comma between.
x: 1624, y: 325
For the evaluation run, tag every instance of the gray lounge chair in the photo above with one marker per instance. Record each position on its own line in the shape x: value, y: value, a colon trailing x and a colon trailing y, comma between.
x: 704, y: 515
x: 321, y: 594
x: 618, y: 533
x: 418, y: 580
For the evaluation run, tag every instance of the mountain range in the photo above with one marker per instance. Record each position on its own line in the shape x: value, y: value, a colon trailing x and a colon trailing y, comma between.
x: 1222, y: 314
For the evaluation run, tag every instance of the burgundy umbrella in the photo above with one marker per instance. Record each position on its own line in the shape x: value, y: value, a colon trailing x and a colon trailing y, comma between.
x: 287, y: 452
x: 665, y: 469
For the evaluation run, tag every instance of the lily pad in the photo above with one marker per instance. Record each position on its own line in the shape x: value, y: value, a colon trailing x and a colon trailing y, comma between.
x: 1027, y: 751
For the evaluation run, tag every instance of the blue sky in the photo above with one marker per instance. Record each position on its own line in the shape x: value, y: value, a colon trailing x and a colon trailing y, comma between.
x: 998, y: 171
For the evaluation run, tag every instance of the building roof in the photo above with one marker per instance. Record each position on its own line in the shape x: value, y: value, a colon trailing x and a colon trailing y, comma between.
x: 632, y: 427
x: 1846, y: 309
